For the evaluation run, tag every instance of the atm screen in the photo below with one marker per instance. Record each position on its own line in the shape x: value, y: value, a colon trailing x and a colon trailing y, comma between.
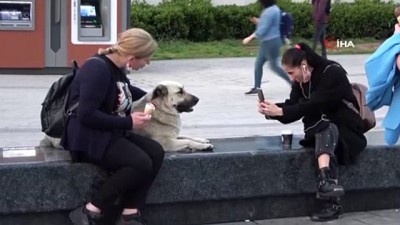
x: 15, y: 11
x: 10, y: 15
x: 90, y: 16
x: 88, y: 11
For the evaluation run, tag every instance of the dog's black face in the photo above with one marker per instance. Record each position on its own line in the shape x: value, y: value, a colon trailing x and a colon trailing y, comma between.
x: 187, y: 105
x: 173, y: 95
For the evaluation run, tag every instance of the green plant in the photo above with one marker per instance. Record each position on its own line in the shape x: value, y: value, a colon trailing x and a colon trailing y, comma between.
x: 199, y: 20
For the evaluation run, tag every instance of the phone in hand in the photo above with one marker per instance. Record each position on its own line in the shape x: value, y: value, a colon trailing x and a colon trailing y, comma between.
x: 260, y: 94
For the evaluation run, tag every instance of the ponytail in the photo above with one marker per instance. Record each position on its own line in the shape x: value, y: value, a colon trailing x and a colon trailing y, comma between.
x: 106, y: 51
x: 132, y: 42
x: 301, y: 51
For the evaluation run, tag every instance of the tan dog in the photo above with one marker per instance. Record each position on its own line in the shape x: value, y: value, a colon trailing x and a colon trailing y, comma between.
x: 170, y: 99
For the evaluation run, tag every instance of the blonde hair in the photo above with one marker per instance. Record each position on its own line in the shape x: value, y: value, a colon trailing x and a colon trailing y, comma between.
x: 135, y: 41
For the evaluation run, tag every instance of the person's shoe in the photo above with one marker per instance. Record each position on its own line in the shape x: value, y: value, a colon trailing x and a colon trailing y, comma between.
x: 329, y: 211
x: 82, y: 216
x: 328, y: 187
x: 134, y: 219
x: 252, y: 91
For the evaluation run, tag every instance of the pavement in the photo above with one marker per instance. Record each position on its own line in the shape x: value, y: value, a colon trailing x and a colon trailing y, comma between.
x: 223, y: 111
x: 381, y: 217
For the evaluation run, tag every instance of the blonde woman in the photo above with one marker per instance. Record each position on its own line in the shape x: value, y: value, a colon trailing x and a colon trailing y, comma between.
x: 97, y: 130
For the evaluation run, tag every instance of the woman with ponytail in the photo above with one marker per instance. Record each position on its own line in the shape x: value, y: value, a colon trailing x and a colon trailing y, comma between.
x: 98, y: 131
x: 331, y: 127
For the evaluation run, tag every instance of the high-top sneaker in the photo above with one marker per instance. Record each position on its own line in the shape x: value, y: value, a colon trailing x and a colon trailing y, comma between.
x: 328, y: 211
x: 328, y: 187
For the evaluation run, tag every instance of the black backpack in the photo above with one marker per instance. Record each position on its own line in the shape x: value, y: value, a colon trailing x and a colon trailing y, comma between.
x: 55, y: 112
x: 287, y: 25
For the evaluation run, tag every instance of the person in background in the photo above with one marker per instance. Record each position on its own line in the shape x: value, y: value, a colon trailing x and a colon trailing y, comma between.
x: 98, y: 132
x: 397, y: 14
x: 331, y: 127
x: 268, y: 32
x: 321, y: 11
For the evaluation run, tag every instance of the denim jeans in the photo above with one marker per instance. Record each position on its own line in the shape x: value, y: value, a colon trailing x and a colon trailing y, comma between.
x: 269, y: 51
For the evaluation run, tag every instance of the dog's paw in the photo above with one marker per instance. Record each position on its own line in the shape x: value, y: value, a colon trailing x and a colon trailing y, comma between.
x: 201, y: 140
x: 209, y: 148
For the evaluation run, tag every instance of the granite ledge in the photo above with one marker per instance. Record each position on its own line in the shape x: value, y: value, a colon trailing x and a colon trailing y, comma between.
x: 224, y: 175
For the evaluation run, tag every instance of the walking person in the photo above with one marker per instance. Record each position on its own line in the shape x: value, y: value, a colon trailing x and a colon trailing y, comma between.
x: 268, y: 32
x: 321, y: 10
x: 98, y: 131
x: 331, y: 127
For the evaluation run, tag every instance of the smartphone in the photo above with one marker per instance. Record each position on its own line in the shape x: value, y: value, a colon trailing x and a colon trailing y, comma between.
x: 260, y: 95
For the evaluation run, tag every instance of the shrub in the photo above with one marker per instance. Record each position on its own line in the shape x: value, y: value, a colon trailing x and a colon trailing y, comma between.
x: 199, y: 20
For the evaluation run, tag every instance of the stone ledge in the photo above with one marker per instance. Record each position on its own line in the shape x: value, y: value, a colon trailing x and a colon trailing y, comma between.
x: 244, y: 178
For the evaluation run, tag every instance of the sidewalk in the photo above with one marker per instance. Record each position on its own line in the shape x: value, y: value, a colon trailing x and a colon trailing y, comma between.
x: 381, y: 217
x: 223, y: 110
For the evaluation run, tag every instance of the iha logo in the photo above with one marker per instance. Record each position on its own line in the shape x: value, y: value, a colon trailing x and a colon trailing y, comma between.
x: 332, y: 42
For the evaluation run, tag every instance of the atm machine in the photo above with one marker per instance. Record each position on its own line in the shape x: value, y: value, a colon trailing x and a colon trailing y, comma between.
x: 41, y: 34
x: 17, y: 15
x: 90, y: 19
x: 94, y: 24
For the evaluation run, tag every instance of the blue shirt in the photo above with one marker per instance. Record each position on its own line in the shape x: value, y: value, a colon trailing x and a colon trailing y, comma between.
x: 268, y: 27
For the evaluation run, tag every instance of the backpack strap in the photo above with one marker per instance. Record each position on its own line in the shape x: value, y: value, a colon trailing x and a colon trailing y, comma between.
x: 330, y: 65
x: 72, y: 108
x: 75, y: 106
x: 347, y: 103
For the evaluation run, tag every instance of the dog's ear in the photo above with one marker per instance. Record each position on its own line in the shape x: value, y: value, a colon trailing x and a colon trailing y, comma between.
x: 159, y: 91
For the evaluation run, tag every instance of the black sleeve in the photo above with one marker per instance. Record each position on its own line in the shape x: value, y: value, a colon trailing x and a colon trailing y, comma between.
x: 95, y: 79
x: 325, y: 98
x: 136, y: 92
x: 294, y: 98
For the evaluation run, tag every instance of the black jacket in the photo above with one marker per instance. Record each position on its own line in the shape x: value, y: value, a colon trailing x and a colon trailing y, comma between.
x: 94, y: 125
x: 322, y: 97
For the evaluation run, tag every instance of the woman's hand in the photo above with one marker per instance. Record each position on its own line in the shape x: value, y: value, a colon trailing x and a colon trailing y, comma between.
x: 140, y: 120
x: 269, y: 109
x: 248, y: 39
x: 254, y: 20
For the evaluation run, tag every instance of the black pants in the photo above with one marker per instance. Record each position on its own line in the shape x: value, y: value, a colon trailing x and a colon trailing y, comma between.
x: 326, y: 142
x: 319, y: 35
x: 134, y: 161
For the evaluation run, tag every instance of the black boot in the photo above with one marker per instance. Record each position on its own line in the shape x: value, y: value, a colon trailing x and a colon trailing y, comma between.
x: 328, y: 211
x: 82, y: 216
x: 328, y: 187
x: 133, y: 219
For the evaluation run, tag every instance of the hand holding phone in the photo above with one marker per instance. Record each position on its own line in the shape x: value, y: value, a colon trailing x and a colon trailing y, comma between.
x: 260, y: 95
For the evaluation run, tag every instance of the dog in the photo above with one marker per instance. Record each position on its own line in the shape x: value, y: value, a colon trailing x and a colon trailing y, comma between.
x: 170, y: 100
